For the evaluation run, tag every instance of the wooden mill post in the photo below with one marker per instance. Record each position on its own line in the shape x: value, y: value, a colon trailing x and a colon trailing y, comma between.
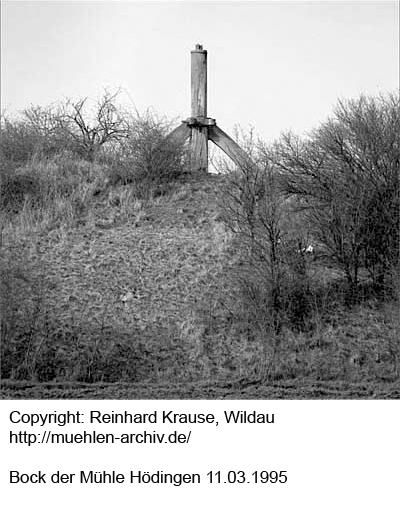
x: 198, y: 127
x: 199, y: 138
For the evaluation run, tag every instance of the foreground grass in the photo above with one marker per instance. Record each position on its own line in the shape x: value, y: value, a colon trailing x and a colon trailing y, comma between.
x: 135, y: 300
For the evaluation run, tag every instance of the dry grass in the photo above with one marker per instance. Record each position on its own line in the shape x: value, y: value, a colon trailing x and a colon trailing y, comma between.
x: 47, y: 194
x: 134, y: 291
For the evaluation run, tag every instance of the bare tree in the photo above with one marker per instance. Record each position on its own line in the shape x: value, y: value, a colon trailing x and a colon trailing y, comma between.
x: 90, y: 130
x: 271, y: 273
x: 345, y: 175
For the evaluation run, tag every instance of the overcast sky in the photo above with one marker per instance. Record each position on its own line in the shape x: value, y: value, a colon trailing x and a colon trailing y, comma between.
x: 273, y: 65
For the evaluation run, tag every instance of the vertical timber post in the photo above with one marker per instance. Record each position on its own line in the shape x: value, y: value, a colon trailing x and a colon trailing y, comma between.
x: 199, y: 128
x: 199, y: 138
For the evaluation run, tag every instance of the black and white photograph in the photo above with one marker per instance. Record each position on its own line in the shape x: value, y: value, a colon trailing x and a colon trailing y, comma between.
x: 200, y: 265
x: 200, y: 200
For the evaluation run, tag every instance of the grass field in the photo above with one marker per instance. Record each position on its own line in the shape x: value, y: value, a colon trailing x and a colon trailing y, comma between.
x: 137, y: 300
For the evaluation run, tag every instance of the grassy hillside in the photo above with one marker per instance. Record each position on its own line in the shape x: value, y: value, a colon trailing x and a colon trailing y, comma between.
x: 139, y: 299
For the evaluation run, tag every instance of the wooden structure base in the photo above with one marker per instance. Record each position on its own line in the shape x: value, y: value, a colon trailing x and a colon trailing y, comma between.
x: 199, y: 135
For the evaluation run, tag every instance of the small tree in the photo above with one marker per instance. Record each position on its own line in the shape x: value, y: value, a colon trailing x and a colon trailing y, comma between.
x: 346, y: 177
x: 90, y: 130
x: 271, y: 271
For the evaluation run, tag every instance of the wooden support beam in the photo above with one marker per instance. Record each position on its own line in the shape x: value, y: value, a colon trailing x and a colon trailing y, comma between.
x: 199, y: 138
x: 181, y: 133
x: 229, y: 147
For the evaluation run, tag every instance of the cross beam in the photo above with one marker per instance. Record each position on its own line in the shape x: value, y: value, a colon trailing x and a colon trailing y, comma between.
x: 199, y: 128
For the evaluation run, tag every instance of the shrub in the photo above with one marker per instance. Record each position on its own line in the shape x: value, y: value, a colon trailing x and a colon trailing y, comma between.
x: 18, y: 141
x: 15, y: 187
x: 148, y: 159
x: 21, y: 310
x: 55, y: 191
x: 345, y: 176
x: 271, y: 271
